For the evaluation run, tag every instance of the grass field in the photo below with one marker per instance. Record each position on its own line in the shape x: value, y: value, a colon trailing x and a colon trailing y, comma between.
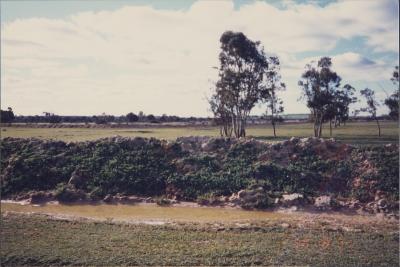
x: 356, y: 133
x: 37, y: 240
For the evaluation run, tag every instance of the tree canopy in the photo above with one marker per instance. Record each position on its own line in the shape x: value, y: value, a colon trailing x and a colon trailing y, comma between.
x: 7, y: 116
x: 243, y: 82
x: 320, y: 85
x: 392, y: 102
x: 372, y: 105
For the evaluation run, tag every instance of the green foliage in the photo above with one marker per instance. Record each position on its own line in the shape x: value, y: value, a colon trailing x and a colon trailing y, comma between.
x: 97, y: 193
x: 146, y: 166
x: 67, y: 193
x: 386, y: 178
x: 113, y: 167
x: 35, y: 167
x: 303, y: 176
x: 7, y: 116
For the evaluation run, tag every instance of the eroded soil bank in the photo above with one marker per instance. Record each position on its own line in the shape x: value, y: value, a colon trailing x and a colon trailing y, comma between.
x: 243, y: 173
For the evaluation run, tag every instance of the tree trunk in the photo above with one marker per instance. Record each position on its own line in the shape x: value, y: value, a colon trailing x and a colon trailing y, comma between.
x: 321, y: 121
x: 379, y: 127
x: 320, y: 130
x: 316, y: 123
x: 234, y: 125
x: 330, y: 128
x: 315, y: 129
x: 273, y: 126
x: 243, y: 127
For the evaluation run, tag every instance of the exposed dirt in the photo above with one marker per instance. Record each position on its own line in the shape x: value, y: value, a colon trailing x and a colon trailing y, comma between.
x: 230, y: 218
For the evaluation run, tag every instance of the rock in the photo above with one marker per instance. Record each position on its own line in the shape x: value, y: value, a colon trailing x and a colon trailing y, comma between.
x: 133, y: 199
x: 148, y: 200
x: 371, y: 207
x: 354, y: 204
x: 108, y: 198
x: 382, y: 203
x: 379, y: 195
x: 291, y: 197
x: 285, y: 225
x: 190, y: 143
x: 234, y: 199
x: 243, y: 225
x: 251, y: 198
x: 323, y: 202
x: 285, y: 143
x: 209, y: 145
x: 294, y: 199
x: 121, y: 198
x: 242, y: 193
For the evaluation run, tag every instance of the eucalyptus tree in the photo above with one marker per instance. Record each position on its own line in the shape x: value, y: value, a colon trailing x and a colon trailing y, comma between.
x: 344, y: 98
x: 221, y: 115
x: 395, y: 75
x: 372, y: 105
x: 274, y: 85
x: 7, y: 116
x: 392, y: 102
x: 242, y: 80
x: 338, y: 110
x: 131, y: 117
x: 319, y: 84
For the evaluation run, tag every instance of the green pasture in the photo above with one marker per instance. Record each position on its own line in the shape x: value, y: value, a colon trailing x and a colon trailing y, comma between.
x: 356, y: 132
x: 38, y: 241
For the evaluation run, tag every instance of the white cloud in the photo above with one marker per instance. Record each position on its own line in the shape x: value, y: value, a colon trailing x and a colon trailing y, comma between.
x: 355, y: 67
x: 160, y: 61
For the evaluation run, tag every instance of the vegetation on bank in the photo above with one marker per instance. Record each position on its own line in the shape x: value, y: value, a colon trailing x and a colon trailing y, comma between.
x: 39, y: 241
x: 192, y: 168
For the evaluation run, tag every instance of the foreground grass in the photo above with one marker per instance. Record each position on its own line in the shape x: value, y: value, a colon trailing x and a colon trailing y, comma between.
x: 356, y: 133
x: 37, y: 240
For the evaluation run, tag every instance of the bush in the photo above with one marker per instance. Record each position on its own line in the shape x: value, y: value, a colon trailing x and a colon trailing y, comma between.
x: 97, y: 194
x: 260, y: 200
x: 208, y: 199
x: 162, y: 201
x: 67, y: 193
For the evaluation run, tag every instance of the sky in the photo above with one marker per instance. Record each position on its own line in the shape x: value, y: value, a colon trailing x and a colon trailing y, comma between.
x: 89, y: 57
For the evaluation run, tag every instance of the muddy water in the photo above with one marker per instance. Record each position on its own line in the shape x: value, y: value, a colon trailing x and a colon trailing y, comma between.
x: 146, y: 212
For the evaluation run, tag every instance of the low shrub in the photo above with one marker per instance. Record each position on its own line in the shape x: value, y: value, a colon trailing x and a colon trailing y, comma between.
x: 162, y: 201
x: 208, y: 199
x: 97, y: 193
x: 68, y: 193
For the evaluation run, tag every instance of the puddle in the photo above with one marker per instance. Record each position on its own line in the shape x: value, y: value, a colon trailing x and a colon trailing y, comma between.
x: 147, y: 212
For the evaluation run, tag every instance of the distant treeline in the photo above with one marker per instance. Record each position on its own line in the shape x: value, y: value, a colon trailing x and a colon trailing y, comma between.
x: 7, y: 116
x: 98, y: 119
